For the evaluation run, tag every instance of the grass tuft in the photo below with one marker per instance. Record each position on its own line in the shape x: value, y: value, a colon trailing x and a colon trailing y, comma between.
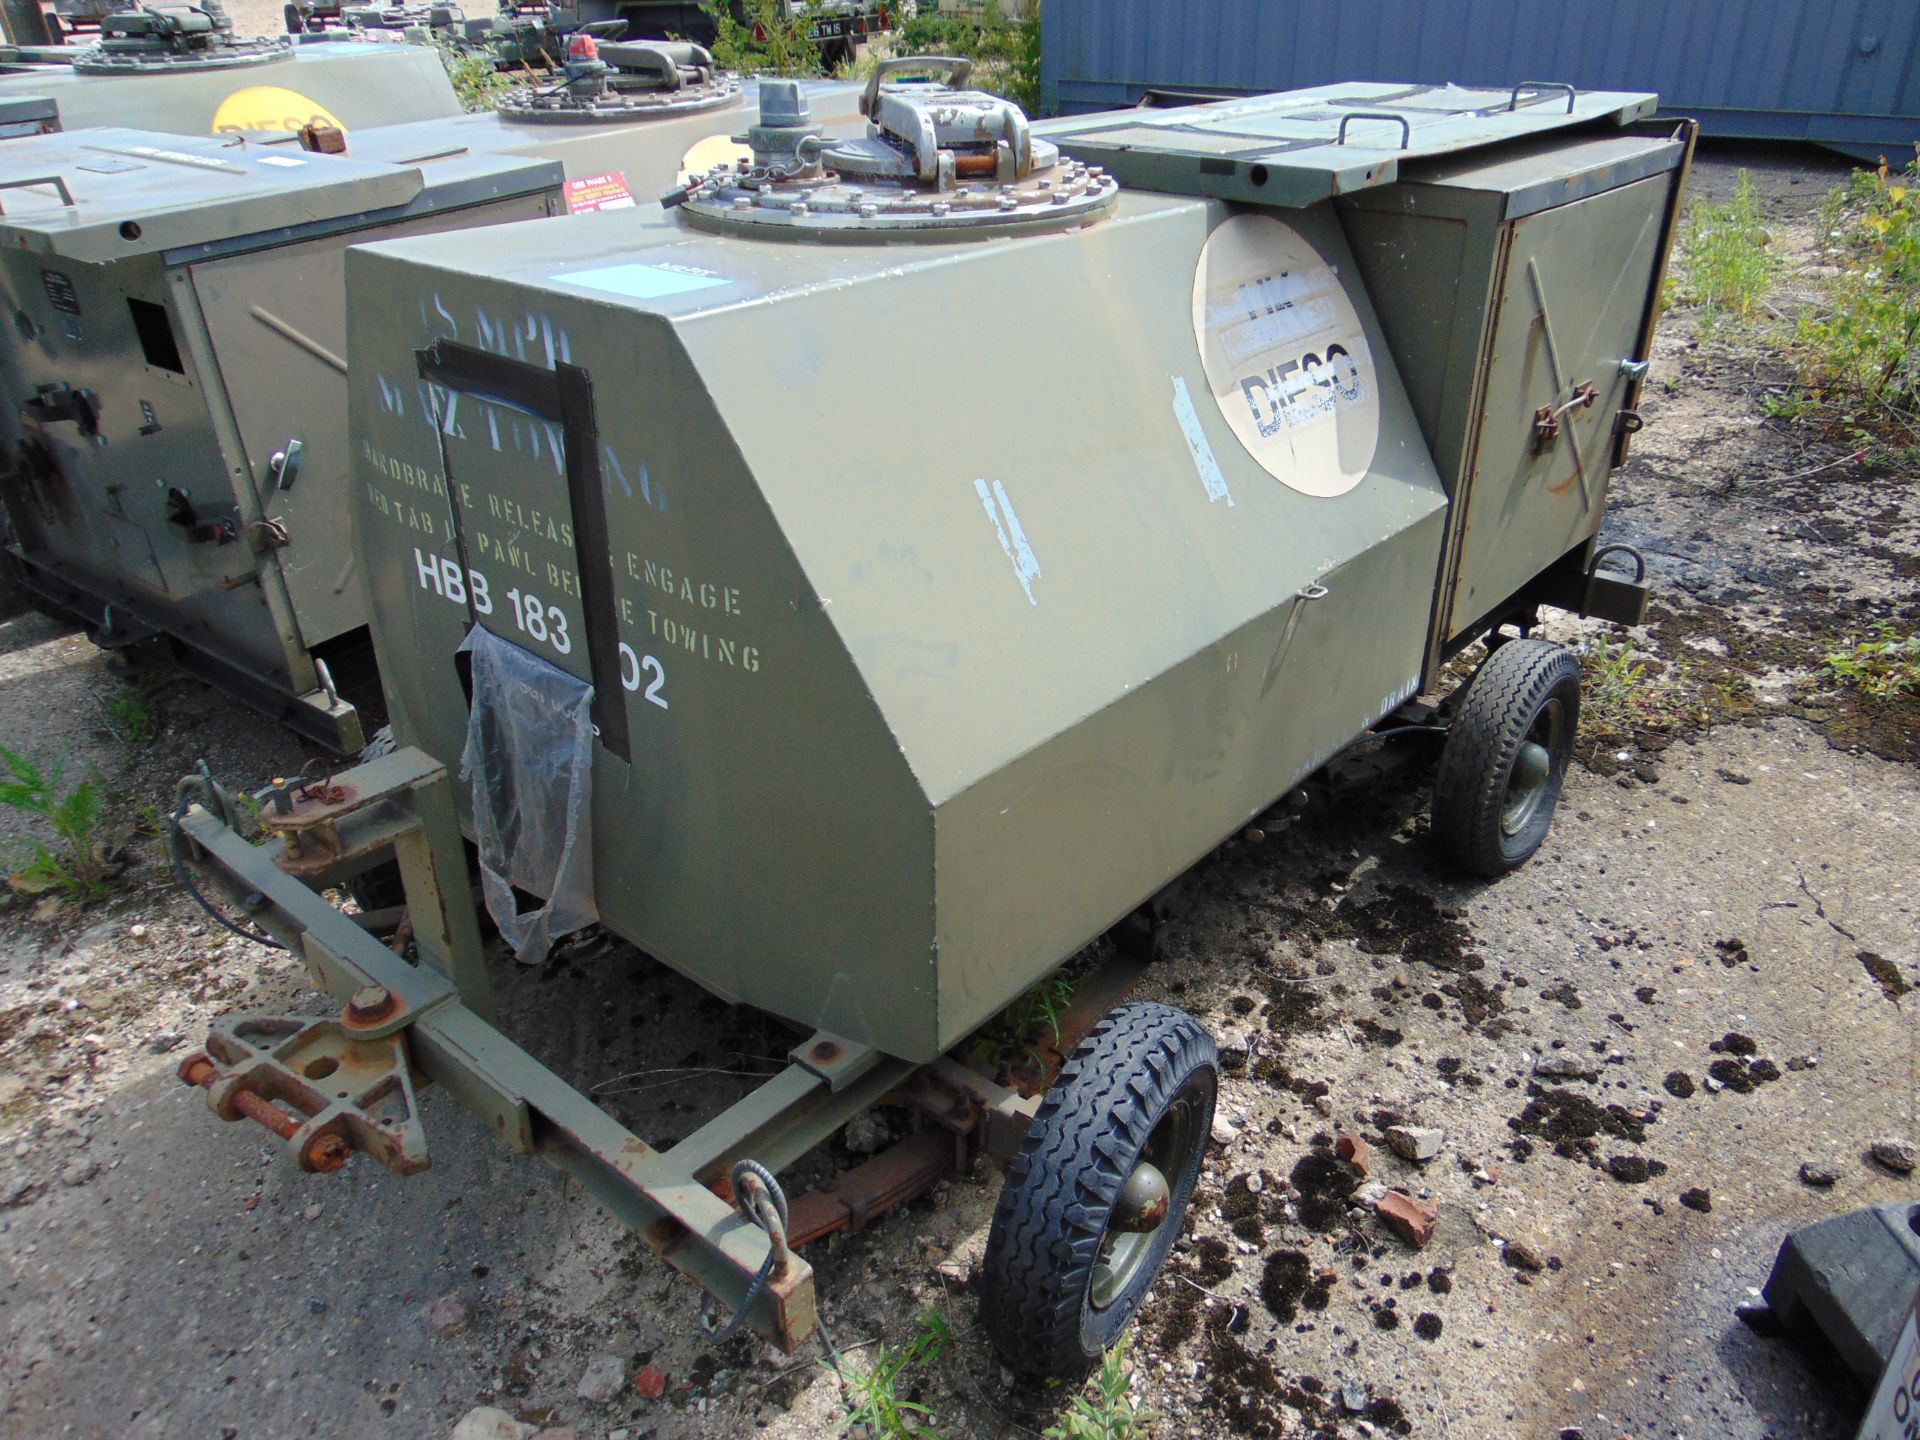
x: 1727, y: 264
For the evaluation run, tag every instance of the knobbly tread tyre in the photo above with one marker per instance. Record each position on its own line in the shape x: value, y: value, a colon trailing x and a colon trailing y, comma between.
x: 1090, y: 1129
x: 1503, y: 699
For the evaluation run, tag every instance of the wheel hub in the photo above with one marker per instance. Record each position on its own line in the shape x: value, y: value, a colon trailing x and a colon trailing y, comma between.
x: 1531, y: 778
x: 1144, y: 1201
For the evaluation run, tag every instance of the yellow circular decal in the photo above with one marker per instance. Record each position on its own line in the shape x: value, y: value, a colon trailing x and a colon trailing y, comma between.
x: 270, y: 107
x: 712, y: 151
x: 1285, y: 355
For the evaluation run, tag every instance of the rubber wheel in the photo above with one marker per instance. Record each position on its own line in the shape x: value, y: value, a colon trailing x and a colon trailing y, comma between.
x: 1061, y: 1279
x: 380, y: 888
x: 1505, y: 758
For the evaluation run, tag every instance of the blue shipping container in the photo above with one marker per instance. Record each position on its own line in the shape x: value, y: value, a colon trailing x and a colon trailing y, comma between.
x: 1844, y: 73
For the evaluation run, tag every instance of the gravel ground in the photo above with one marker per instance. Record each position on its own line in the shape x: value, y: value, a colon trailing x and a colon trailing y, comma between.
x: 1729, y: 892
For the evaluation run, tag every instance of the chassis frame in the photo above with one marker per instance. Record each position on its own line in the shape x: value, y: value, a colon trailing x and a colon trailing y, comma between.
x: 332, y: 1084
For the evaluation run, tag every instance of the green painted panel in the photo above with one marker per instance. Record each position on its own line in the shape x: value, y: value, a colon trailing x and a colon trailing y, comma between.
x: 1583, y: 271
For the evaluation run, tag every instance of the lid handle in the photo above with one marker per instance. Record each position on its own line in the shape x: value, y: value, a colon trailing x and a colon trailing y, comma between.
x: 1513, y: 100
x: 1406, y: 130
x: 58, y: 182
x: 957, y: 70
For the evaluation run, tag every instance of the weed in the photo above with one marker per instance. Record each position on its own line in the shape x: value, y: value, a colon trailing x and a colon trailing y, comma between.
x: 1005, y: 53
x: 1726, y: 265
x: 1623, y: 692
x: 80, y: 867
x: 1015, y: 1041
x: 1883, y: 667
x: 475, y: 80
x: 769, y: 40
x: 1855, y: 348
x: 132, y: 715
x: 149, y: 821
x: 1104, y: 1410
x: 872, y: 1397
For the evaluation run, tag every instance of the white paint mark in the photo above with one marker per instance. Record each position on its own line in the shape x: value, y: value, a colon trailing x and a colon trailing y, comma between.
x: 1203, y: 457
x: 1013, y: 540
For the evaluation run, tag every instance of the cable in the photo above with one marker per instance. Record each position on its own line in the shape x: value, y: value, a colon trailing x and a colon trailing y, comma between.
x: 176, y: 851
x: 768, y: 1210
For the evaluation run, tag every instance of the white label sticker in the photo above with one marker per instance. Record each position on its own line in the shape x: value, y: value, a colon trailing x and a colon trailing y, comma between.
x: 1285, y: 355
x: 1013, y: 540
x: 1198, y: 445
x: 285, y: 162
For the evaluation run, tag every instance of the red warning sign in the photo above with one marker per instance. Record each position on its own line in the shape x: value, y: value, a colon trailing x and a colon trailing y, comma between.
x: 599, y: 192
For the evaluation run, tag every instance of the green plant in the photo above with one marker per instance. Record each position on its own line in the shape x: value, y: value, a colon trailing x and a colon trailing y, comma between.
x: 1622, y: 691
x: 1883, y: 667
x: 1855, y: 347
x: 475, y: 80
x: 769, y: 38
x: 1016, y: 1038
x: 1726, y: 265
x: 80, y: 867
x: 1103, y: 1409
x: 1005, y: 53
x: 131, y: 715
x: 872, y: 1397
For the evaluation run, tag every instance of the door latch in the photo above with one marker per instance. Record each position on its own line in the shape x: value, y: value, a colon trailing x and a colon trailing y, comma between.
x: 1546, y: 420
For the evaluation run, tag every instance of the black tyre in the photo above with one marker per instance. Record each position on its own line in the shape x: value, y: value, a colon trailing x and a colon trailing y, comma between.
x: 1099, y: 1189
x: 381, y: 887
x: 1505, y: 758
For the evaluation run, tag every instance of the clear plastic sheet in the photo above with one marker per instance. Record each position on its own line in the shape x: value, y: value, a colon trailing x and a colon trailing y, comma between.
x: 529, y: 767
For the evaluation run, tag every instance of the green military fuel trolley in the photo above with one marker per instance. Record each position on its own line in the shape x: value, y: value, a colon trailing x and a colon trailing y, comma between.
x: 1010, y: 513
x: 176, y: 372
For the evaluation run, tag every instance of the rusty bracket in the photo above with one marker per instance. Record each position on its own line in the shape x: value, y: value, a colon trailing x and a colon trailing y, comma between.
x: 318, y: 1086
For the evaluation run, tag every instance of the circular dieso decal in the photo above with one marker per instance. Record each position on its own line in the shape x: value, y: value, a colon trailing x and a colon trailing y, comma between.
x: 270, y: 107
x: 712, y: 151
x: 1285, y: 356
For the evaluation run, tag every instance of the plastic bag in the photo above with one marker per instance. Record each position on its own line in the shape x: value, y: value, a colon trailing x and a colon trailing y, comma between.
x: 529, y: 767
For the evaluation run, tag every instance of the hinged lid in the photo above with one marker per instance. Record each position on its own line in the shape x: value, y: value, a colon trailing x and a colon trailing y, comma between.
x: 100, y: 195
x: 938, y: 161
x: 1304, y: 146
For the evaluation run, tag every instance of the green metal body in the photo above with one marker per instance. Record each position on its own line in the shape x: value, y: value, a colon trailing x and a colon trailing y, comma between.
x: 943, y: 638
x: 352, y: 86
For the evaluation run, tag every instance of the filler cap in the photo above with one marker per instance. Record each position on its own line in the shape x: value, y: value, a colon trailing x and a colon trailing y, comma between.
x: 170, y: 38
x: 937, y: 161
x: 606, y: 81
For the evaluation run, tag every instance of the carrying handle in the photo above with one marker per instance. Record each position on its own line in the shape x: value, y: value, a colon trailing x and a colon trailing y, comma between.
x: 1406, y: 130
x: 1513, y: 100
x: 957, y: 70
x: 58, y: 182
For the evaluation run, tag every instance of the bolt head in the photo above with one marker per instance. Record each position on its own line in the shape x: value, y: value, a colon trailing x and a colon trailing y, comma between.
x: 370, y: 1003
